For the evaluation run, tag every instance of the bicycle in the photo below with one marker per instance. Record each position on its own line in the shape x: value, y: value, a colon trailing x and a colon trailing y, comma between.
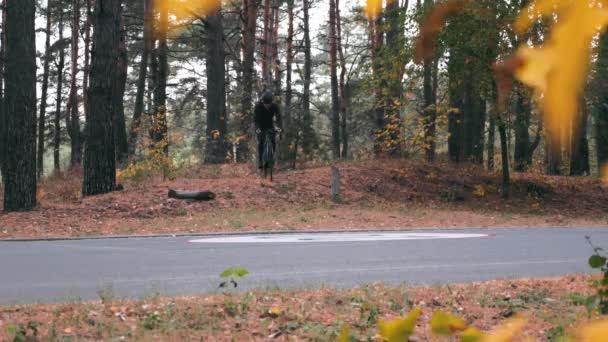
x: 268, y: 152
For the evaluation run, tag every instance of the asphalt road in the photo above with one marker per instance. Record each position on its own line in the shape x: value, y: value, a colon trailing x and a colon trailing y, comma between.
x: 60, y: 271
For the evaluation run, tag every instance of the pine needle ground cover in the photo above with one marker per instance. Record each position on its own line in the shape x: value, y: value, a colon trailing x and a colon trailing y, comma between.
x: 552, y: 307
x: 375, y: 195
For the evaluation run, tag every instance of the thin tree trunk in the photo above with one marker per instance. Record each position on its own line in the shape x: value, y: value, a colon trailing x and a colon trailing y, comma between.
x: 249, y: 28
x: 275, y: 49
x: 429, y: 110
x: 73, y: 126
x: 59, y: 100
x: 333, y: 67
x: 287, y: 112
x: 120, y: 128
x: 375, y: 38
x: 491, y: 142
x: 20, y: 105
x: 216, y: 91
x: 100, y: 154
x: 159, y: 130
x: 87, y: 60
x: 343, y: 86
x: 504, y: 149
x: 307, y: 138
x: 43, y: 97
x: 135, y: 128
x: 267, y: 45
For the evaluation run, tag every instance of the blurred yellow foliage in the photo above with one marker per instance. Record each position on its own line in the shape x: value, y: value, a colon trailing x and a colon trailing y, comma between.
x: 399, y: 330
x: 593, y: 332
x: 445, y: 324
x: 558, y: 69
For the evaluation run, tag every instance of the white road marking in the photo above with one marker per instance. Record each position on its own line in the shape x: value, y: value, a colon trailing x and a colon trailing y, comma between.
x: 335, y: 237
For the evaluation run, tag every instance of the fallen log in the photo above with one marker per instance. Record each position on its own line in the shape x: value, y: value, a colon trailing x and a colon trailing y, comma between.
x: 192, y: 195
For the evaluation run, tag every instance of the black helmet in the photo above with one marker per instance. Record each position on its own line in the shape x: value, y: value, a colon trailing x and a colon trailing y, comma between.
x: 267, y: 97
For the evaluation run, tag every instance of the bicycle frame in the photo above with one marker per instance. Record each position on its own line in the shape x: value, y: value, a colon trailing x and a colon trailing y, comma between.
x: 268, y: 152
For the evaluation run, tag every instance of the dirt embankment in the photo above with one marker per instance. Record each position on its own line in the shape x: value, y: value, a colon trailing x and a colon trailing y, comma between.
x: 375, y: 194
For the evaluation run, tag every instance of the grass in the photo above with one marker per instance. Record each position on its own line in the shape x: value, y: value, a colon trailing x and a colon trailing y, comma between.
x: 311, y: 315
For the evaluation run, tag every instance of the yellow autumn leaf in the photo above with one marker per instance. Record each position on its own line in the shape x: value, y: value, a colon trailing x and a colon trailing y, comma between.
x: 471, y: 334
x: 345, y: 334
x: 558, y: 70
x: 593, y: 332
x: 445, y: 324
x: 399, y: 329
x: 506, y: 331
x: 275, y: 311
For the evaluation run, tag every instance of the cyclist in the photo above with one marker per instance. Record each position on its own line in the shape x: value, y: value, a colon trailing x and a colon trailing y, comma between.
x: 265, y: 114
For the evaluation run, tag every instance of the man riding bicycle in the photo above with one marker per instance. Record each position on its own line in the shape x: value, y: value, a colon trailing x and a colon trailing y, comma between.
x: 265, y: 113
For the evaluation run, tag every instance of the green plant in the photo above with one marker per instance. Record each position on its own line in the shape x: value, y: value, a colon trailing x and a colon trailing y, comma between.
x: 23, y: 333
x: 231, y: 275
x: 599, y: 262
x: 557, y: 333
x: 152, y: 321
x: 106, y: 294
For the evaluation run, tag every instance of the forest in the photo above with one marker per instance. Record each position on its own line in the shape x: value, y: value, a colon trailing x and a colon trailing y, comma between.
x: 441, y: 170
x: 148, y: 86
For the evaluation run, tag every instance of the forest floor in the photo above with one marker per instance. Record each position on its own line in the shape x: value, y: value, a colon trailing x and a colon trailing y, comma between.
x: 551, y: 306
x: 375, y: 195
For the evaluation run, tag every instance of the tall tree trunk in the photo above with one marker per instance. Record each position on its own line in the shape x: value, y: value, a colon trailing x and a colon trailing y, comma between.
x: 100, y: 154
x: 429, y: 111
x: 491, y: 142
x: 553, y: 155
x: 455, y: 115
x: 474, y: 114
x: 393, y: 65
x: 43, y: 97
x: 307, y: 133
x: 276, y: 62
x: 579, y: 158
x: 87, y: 60
x: 58, y: 100
x: 216, y: 91
x: 2, y: 63
x: 267, y: 45
x: 504, y: 150
x: 287, y: 112
x: 249, y: 16
x: 135, y: 128
x: 333, y: 67
x: 120, y: 128
x: 601, y: 103
x: 344, y: 102
x: 158, y: 130
x: 20, y: 105
x: 376, y: 37
x: 73, y: 117
x: 522, y: 135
